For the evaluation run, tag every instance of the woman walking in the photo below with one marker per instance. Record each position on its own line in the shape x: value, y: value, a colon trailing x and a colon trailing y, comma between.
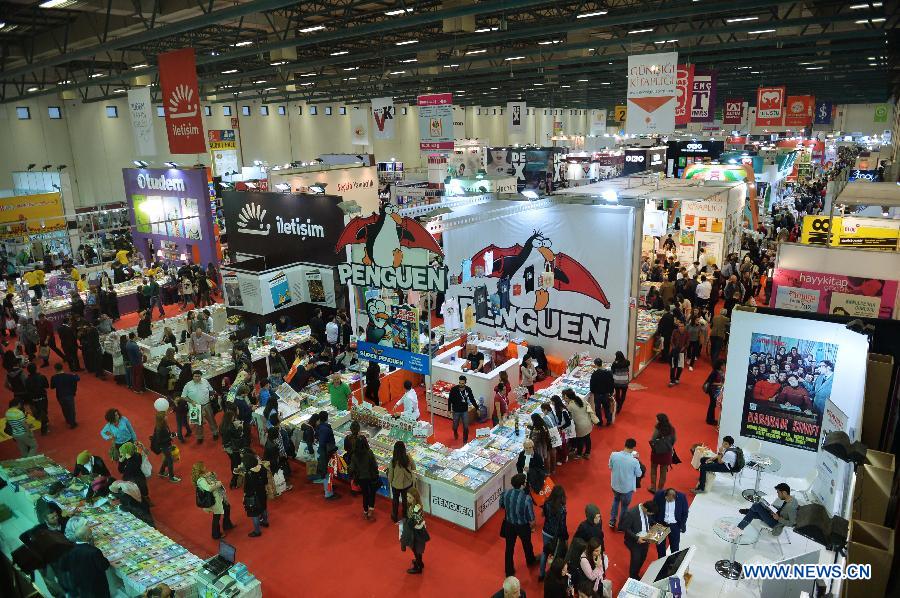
x: 662, y: 447
x: 373, y: 383
x: 414, y: 533
x: 255, y: 499
x: 211, y: 498
x: 401, y: 477
x: 555, y: 532
x: 621, y: 371
x: 566, y: 428
x: 583, y: 425
x: 162, y: 438
x: 696, y: 330
x: 713, y: 388
x: 234, y: 440
x: 594, y: 563
x: 364, y: 471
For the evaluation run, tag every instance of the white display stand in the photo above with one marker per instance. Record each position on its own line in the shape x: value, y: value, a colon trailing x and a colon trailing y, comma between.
x: 447, y: 367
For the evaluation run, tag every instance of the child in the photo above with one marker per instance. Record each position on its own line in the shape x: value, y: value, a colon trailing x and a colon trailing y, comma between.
x: 181, y: 417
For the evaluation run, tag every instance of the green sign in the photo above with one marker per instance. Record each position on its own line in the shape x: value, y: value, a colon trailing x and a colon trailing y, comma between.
x: 881, y: 113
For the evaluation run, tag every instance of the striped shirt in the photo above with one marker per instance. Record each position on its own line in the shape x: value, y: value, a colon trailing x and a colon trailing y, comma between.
x: 18, y: 425
x: 518, y: 506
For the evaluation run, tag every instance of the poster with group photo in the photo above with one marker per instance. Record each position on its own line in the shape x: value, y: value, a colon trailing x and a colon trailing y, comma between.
x: 788, y: 383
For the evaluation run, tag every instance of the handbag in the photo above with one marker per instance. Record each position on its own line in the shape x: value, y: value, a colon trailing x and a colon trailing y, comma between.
x: 590, y: 411
x: 620, y: 378
x: 504, y: 528
x: 44, y: 351
x: 675, y: 458
x: 176, y: 453
x: 541, y: 496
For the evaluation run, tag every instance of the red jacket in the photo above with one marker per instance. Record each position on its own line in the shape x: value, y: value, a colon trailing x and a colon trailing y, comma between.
x: 45, y: 330
x: 795, y: 395
x: 765, y: 390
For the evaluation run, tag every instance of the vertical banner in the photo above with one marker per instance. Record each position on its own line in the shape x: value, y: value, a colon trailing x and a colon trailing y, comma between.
x: 799, y: 111
x: 459, y: 122
x: 683, y: 87
x: 359, y: 126
x: 703, y: 97
x: 181, y: 101
x: 223, y: 149
x: 881, y: 113
x: 620, y: 114
x: 598, y: 122
x: 383, y: 115
x: 769, y: 106
x: 734, y: 111
x: 651, y: 93
x: 436, y: 121
x: 823, y: 113
x: 141, y: 110
x: 515, y: 117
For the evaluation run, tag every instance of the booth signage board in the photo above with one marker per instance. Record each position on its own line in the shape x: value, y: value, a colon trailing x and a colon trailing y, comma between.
x: 355, y: 183
x: 534, y: 168
x: 598, y: 122
x: 436, y: 121
x: 865, y: 233
x: 706, y: 215
x: 683, y: 88
x: 655, y: 222
x: 171, y: 205
x: 863, y: 296
x: 824, y: 112
x: 487, y: 502
x: 799, y: 111
x: 285, y: 228
x: 651, y: 97
x: 515, y: 114
x: 547, y: 275
x: 797, y: 299
x: 459, y: 123
x: 656, y: 159
x: 770, y: 106
x: 734, y: 111
x: 780, y: 405
x: 703, y: 96
x: 31, y: 214
x: 453, y: 504
x: 635, y: 161
x: 828, y: 485
x: 266, y: 292
x: 863, y: 175
x: 404, y: 360
x: 181, y: 101
x: 383, y: 115
x: 359, y: 126
x: 468, y: 186
x: 223, y: 149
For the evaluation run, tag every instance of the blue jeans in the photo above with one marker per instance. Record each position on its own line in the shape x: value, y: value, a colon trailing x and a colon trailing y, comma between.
x: 550, y: 543
x: 155, y: 300
x: 757, y: 511
x: 620, y: 499
x: 325, y: 481
x: 706, y: 467
x: 464, y: 418
x: 262, y: 518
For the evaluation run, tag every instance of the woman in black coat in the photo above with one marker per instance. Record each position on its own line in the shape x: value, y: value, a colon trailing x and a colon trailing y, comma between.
x: 373, y: 382
x: 130, y: 468
x: 255, y: 499
x: 364, y: 471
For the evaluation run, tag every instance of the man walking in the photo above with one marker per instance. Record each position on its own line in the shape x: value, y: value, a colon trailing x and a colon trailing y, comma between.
x: 93, y: 351
x: 135, y: 363
x: 718, y: 333
x: 47, y: 338
x: 676, y: 354
x: 198, y: 392
x: 626, y: 469
x: 36, y: 386
x: 17, y: 427
x: 461, y: 398
x: 672, y: 511
x: 155, y: 298
x: 635, y: 524
x: 66, y: 385
x: 518, y: 522
x: 602, y: 387
x: 69, y: 345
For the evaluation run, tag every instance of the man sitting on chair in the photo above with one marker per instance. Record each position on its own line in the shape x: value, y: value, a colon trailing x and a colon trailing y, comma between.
x: 723, y: 462
x: 784, y: 516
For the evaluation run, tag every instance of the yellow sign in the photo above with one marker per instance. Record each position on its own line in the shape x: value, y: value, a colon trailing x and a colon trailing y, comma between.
x: 620, y: 113
x: 222, y: 145
x: 31, y: 214
x: 864, y: 233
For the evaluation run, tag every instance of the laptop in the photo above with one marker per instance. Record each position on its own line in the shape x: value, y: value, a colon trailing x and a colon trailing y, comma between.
x: 220, y: 563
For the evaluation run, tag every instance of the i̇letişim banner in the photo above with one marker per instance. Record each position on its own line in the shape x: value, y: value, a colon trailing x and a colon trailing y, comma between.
x: 788, y: 383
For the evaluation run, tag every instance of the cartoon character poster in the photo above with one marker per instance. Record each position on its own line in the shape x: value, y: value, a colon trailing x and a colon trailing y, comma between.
x: 280, y: 290
x: 788, y: 384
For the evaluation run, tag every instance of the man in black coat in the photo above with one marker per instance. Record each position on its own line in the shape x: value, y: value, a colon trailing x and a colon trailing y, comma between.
x: 83, y: 568
x: 602, y: 387
x: 664, y: 328
x: 317, y: 326
x: 672, y: 511
x: 635, y: 524
x: 69, y: 345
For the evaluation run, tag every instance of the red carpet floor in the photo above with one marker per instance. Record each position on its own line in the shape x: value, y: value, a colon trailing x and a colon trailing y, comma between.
x: 319, y: 548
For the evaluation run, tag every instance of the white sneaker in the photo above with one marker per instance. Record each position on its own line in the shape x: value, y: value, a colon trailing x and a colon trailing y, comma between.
x: 691, y: 368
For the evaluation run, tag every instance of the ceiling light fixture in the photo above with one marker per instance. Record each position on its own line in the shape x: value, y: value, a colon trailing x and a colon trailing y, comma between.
x: 487, y: 29
x: 587, y: 15
x: 583, y: 80
x: 450, y: 66
x: 140, y: 66
x: 229, y: 71
x: 550, y: 42
x: 399, y: 11
x: 55, y: 3
x: 396, y: 72
x: 865, y: 21
x: 241, y: 44
x: 340, y: 53
x: 760, y: 31
x: 408, y: 60
x: 311, y: 29
x: 514, y: 58
x: 475, y: 52
x: 814, y: 68
x: 633, y: 31
x: 278, y: 62
x: 741, y: 19
x: 32, y: 89
x: 563, y: 86
x: 260, y: 81
x: 407, y: 42
x: 119, y: 90
x: 95, y: 75
x: 312, y: 74
x: 352, y: 68
x: 862, y: 6
x: 538, y: 84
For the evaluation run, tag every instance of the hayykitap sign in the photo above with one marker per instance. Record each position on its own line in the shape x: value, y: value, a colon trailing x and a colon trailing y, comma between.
x: 390, y: 251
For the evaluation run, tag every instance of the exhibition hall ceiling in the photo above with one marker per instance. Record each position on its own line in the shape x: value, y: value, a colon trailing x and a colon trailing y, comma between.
x: 559, y: 53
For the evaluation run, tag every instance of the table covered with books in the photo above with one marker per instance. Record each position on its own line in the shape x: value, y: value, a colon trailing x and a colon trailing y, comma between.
x: 140, y: 556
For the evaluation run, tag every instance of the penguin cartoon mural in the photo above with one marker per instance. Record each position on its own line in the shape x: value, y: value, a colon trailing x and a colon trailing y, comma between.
x: 378, y: 329
x: 529, y: 274
x: 385, y: 234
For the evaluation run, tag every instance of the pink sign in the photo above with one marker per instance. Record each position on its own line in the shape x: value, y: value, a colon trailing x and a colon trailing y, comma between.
x: 834, y: 288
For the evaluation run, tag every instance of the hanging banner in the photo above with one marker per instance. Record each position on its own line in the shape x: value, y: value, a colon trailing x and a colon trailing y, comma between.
x: 359, y: 126
x: 651, y: 93
x: 823, y: 113
x: 799, y: 111
x: 734, y: 112
x: 181, y: 101
x: 866, y: 233
x: 459, y: 122
x: 436, y: 121
x: 840, y: 294
x: 881, y: 113
x: 620, y: 114
x: 598, y: 122
x: 141, y: 110
x: 769, y: 106
x: 383, y: 115
x: 703, y: 96
x: 515, y: 117
x: 683, y: 87
x: 223, y: 149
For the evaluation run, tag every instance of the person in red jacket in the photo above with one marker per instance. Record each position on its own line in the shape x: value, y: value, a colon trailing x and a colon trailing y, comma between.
x: 47, y: 338
x: 677, y: 350
x: 794, y: 394
x: 765, y: 390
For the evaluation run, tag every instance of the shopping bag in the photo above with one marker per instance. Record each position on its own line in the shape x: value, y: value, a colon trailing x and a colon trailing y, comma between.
x: 146, y: 467
x: 280, y: 482
x: 541, y: 497
x: 555, y: 438
x: 195, y: 414
x: 176, y: 453
x: 590, y: 409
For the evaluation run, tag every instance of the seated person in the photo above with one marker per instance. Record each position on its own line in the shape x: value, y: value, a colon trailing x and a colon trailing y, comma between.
x: 785, y: 516
x: 90, y: 465
x: 724, y: 461
x: 475, y: 359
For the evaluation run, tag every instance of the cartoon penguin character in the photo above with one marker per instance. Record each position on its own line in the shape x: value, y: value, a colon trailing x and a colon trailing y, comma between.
x: 519, y: 270
x: 385, y: 234
x: 377, y: 331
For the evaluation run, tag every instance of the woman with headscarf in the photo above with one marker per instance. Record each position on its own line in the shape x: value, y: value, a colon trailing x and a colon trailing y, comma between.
x: 209, y: 487
x: 130, y: 467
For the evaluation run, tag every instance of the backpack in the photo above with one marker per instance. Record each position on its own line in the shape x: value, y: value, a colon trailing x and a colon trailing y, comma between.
x: 738, y: 459
x: 205, y: 498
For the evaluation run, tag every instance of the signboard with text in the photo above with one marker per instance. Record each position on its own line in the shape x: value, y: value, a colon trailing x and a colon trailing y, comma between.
x: 181, y: 102
x: 436, y: 121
